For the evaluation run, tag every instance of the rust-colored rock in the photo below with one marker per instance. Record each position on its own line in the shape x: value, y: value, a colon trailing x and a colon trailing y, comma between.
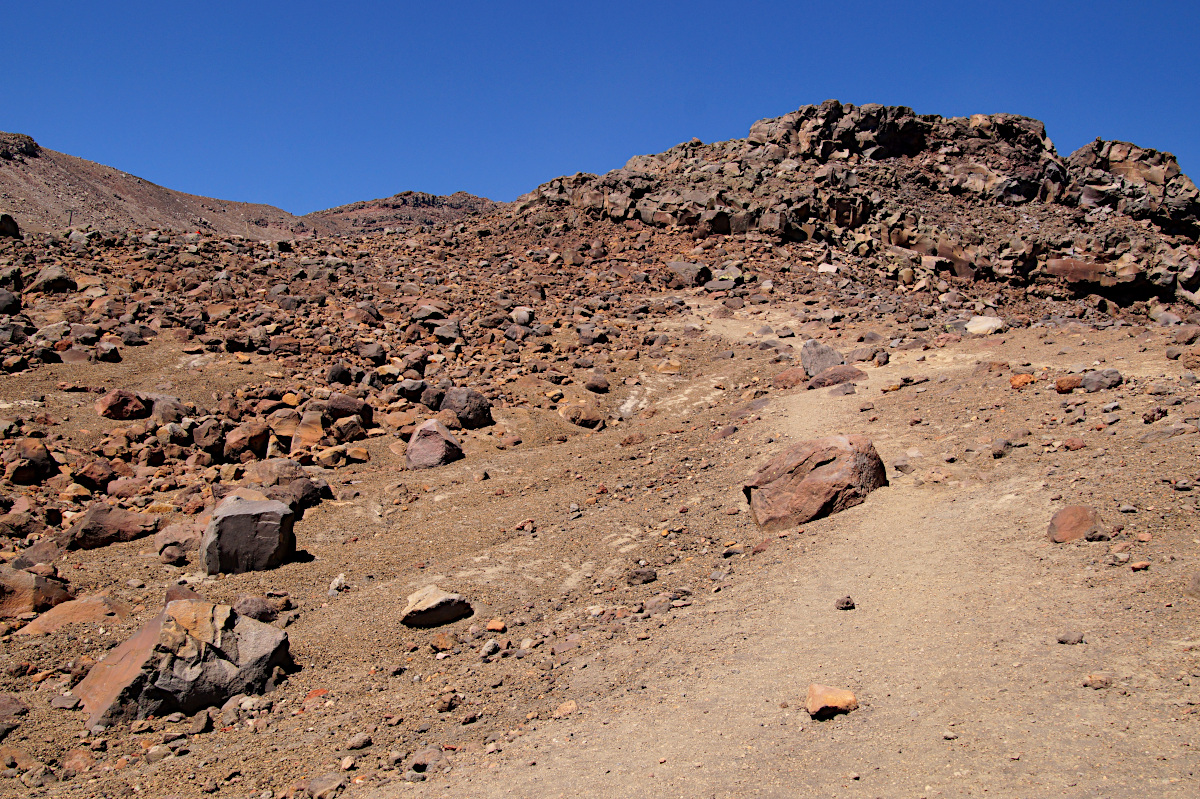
x: 1074, y: 522
x: 824, y: 702
x: 836, y: 375
x: 790, y: 378
x: 814, y: 479
x: 86, y: 610
x: 122, y: 404
x: 1068, y: 383
x: 22, y: 592
x: 102, y: 525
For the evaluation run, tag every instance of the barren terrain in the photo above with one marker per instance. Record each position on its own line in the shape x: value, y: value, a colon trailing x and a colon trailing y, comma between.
x: 593, y: 382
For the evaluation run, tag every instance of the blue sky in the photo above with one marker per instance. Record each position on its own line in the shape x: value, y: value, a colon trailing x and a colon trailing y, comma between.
x: 308, y: 105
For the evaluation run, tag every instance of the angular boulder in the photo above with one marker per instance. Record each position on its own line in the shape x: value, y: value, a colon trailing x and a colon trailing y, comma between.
x: 122, y: 404
x: 193, y: 655
x: 432, y: 607
x: 432, y: 445
x: 1101, y: 379
x: 472, y: 408
x: 22, y: 592
x: 816, y: 357
x: 29, y: 462
x: 247, y: 535
x: 814, y: 479
x: 101, y: 525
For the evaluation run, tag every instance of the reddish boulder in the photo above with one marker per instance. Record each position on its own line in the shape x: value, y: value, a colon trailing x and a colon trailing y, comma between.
x: 1074, y: 522
x: 101, y: 525
x: 432, y: 445
x: 790, y: 378
x: 22, y: 592
x: 29, y: 462
x: 814, y: 479
x: 88, y: 610
x: 836, y: 375
x: 122, y: 404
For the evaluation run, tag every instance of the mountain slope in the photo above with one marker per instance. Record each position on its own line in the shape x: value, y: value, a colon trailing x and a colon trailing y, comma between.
x: 50, y: 190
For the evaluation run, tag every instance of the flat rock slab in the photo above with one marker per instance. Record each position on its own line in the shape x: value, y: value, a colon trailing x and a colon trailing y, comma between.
x: 102, y: 525
x: 432, y: 607
x: 22, y: 592
x: 814, y: 479
x: 836, y: 375
x: 88, y: 610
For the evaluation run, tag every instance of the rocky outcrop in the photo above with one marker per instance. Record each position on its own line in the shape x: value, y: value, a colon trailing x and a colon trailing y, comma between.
x: 848, y: 176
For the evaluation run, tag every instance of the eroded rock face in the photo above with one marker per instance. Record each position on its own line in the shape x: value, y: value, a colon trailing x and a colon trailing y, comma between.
x: 247, y: 535
x: 814, y: 479
x: 193, y: 655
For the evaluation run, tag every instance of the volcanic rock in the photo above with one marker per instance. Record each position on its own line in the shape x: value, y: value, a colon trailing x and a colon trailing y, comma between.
x: 432, y: 445
x: 22, y: 592
x: 247, y: 535
x: 433, y: 607
x: 102, y: 525
x: 814, y: 479
x: 195, y: 654
x: 1074, y: 522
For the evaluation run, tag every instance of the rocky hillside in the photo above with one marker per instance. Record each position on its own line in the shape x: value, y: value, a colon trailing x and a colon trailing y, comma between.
x: 401, y: 211
x: 46, y: 190
x: 912, y: 196
x: 829, y: 457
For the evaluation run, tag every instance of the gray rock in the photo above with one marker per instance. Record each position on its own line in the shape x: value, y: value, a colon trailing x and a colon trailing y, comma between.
x: 193, y: 655
x: 1101, y: 379
x: 53, y: 279
x: 472, y: 408
x: 816, y: 357
x: 432, y: 607
x: 247, y: 535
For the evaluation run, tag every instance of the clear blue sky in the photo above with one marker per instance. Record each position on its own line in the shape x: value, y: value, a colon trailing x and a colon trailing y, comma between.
x: 307, y: 105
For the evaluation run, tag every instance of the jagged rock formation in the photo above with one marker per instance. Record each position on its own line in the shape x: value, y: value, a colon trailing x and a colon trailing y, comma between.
x: 913, y: 195
x: 402, y: 210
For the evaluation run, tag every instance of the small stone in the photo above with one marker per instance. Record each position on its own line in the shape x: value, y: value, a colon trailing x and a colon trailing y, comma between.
x: 845, y: 603
x: 824, y: 702
x: 1071, y: 638
x: 359, y: 740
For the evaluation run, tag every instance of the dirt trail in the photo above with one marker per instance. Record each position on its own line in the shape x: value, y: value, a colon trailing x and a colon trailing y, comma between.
x: 951, y: 651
